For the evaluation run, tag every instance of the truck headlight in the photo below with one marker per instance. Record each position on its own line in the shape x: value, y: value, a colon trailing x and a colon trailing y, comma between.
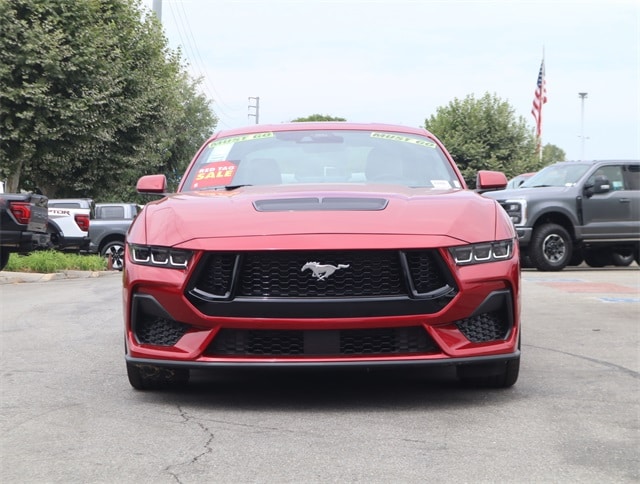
x: 465, y: 255
x: 157, y: 256
x: 516, y: 209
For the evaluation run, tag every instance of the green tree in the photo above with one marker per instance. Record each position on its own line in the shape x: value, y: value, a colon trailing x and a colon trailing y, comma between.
x: 317, y: 117
x: 91, y: 98
x: 485, y: 134
x: 551, y: 154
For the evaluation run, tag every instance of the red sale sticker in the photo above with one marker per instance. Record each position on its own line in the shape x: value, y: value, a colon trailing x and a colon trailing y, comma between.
x: 215, y: 174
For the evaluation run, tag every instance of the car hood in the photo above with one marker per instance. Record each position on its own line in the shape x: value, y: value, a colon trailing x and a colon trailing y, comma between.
x: 312, y: 210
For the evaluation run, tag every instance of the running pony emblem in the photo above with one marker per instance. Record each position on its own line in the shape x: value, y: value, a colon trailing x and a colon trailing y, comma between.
x: 322, y: 271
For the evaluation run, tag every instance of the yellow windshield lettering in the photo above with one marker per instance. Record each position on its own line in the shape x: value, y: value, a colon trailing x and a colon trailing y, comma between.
x: 405, y: 139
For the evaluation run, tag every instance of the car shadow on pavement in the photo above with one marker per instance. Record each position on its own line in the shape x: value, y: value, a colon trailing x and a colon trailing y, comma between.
x: 325, y: 389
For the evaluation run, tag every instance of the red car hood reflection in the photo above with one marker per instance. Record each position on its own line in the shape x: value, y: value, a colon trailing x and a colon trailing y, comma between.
x: 185, y: 217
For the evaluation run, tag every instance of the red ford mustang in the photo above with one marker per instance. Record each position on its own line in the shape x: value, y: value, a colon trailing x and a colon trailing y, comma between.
x: 322, y: 244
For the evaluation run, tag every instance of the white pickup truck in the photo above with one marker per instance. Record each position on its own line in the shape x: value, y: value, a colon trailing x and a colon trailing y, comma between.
x: 68, y: 225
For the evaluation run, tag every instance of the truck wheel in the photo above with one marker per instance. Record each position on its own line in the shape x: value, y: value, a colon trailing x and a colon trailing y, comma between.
x: 4, y: 258
x: 598, y: 258
x: 115, y: 250
x: 550, y: 248
x: 622, y: 260
x: 54, y: 238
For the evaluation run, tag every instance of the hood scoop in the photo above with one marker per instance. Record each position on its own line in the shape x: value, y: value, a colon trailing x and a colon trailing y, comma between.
x: 322, y: 204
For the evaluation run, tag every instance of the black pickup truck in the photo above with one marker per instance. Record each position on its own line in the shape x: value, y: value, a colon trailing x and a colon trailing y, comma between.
x: 23, y: 224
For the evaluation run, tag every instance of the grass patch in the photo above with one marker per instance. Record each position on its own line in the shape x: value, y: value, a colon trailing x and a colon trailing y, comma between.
x: 50, y: 261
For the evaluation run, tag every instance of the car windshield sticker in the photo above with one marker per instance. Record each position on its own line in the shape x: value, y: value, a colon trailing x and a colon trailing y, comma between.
x: 214, y: 174
x: 238, y: 139
x: 441, y: 184
x: 406, y: 139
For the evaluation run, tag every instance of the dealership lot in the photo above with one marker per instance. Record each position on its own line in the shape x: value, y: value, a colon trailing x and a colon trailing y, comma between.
x: 69, y: 414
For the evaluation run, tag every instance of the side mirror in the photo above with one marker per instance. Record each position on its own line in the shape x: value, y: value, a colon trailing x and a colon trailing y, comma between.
x: 601, y: 184
x: 152, y: 184
x: 490, y: 180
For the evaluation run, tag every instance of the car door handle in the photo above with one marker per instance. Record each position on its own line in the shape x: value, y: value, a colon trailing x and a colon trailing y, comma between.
x: 624, y: 200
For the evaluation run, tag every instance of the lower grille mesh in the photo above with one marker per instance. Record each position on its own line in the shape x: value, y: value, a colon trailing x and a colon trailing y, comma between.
x: 160, y: 331
x: 349, y: 342
x: 484, y: 327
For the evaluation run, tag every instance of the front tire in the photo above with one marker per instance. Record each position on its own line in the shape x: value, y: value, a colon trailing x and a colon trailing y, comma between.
x: 150, y: 377
x: 114, y: 250
x: 550, y: 248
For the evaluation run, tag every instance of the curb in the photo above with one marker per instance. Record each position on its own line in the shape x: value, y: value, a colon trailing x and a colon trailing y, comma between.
x: 21, y: 277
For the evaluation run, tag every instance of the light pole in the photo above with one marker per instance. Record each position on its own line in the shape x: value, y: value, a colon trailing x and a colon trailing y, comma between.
x: 582, y: 96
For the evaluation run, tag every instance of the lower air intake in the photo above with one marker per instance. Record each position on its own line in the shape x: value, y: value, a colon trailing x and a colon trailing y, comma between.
x: 160, y: 331
x: 484, y: 327
x: 348, y: 342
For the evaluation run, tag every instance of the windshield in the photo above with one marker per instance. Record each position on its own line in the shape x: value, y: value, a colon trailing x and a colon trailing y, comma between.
x: 560, y: 175
x: 321, y: 157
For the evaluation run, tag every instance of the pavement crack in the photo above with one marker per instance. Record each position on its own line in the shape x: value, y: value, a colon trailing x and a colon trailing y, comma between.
x: 172, y: 469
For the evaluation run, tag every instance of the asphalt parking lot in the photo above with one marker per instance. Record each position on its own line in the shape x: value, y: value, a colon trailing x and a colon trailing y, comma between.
x: 69, y: 415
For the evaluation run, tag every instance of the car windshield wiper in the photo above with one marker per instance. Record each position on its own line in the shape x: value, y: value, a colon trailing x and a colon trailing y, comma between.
x: 233, y: 187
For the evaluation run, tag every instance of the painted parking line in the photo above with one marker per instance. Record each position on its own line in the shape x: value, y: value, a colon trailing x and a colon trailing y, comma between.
x: 591, y: 287
x: 620, y: 299
x: 550, y: 279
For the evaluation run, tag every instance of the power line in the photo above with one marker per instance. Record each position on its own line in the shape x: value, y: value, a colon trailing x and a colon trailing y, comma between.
x: 192, y: 52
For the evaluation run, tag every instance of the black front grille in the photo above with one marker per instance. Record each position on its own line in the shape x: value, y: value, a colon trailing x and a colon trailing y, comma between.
x: 280, y: 274
x: 216, y: 274
x: 276, y: 274
x: 425, y: 271
x: 485, y: 327
x: 348, y: 342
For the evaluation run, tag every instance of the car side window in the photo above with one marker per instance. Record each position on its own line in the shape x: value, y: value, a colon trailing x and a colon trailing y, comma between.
x: 631, y: 175
x: 613, y: 173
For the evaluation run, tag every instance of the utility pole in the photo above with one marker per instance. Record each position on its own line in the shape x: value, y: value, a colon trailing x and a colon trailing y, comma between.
x: 255, y: 107
x: 582, y: 96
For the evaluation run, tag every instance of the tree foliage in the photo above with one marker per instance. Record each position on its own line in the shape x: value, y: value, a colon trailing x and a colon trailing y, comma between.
x: 91, y: 98
x: 317, y: 117
x: 485, y: 134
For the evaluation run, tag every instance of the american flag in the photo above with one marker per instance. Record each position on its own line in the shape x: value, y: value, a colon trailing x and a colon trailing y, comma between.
x: 539, y: 99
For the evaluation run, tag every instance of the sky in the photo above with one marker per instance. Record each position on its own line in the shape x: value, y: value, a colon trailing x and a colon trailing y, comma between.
x: 398, y: 61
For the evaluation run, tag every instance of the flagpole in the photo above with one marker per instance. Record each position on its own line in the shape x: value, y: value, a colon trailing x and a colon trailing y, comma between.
x: 541, y: 105
x: 539, y: 99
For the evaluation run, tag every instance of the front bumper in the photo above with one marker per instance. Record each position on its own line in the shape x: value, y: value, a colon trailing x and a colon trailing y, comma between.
x: 524, y: 235
x: 496, y: 360
x: 165, y: 328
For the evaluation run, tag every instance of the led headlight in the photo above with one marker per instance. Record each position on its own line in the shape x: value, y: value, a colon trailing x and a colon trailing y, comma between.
x: 156, y: 256
x: 516, y: 209
x: 480, y: 253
